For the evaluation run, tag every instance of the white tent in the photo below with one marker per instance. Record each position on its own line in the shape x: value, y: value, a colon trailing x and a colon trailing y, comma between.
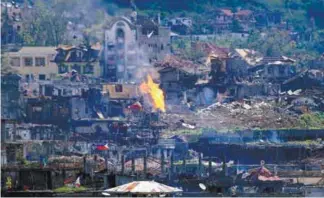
x: 143, y: 187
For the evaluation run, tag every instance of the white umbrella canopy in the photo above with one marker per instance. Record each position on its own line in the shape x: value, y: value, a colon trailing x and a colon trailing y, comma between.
x: 143, y: 187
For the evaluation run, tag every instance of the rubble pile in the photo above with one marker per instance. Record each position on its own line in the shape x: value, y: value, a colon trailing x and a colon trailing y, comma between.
x: 233, y: 115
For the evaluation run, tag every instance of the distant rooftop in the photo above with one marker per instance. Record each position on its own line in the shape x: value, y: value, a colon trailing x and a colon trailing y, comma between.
x: 36, y: 50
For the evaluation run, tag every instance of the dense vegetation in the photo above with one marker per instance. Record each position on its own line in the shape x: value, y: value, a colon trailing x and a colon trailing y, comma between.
x: 296, y: 11
x: 50, y: 19
x: 303, y: 17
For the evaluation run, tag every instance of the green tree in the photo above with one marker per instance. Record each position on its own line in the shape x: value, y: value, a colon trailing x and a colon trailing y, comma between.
x: 47, y: 27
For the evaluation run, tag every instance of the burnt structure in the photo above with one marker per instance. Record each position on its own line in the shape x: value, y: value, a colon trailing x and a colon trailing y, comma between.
x: 132, y: 43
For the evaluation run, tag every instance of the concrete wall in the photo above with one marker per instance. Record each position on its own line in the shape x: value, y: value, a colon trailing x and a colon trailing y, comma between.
x: 157, y: 46
x: 242, y: 152
x: 80, y: 108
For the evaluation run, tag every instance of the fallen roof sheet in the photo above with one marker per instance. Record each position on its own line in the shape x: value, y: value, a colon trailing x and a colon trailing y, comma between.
x: 179, y: 63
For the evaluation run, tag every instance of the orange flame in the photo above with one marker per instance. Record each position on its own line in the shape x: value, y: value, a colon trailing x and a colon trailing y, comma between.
x: 155, y: 92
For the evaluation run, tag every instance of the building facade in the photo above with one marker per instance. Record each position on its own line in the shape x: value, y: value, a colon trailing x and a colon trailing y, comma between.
x: 119, y: 52
x: 130, y: 44
x: 33, y: 63
x: 82, y: 59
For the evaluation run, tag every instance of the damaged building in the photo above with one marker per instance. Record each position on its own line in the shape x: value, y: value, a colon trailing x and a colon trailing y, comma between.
x: 133, y: 43
x: 82, y: 59
x: 248, y: 73
x: 177, y: 75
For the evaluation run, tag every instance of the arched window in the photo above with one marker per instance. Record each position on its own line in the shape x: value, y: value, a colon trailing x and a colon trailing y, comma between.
x: 120, y: 33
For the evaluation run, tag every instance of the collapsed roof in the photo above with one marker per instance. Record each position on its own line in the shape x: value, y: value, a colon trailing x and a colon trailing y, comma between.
x: 187, y: 66
x: 69, y: 53
x: 254, y: 58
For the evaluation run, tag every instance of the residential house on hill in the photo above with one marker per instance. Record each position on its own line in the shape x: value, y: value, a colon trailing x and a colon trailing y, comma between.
x: 82, y: 59
x: 226, y: 20
x: 14, y: 15
x: 181, y: 25
x: 34, y: 63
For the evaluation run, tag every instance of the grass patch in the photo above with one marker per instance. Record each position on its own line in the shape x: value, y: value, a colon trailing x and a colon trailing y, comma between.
x: 67, y: 189
x: 312, y: 120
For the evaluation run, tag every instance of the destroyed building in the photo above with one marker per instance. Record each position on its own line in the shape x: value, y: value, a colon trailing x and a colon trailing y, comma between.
x: 249, y: 62
x: 11, y: 97
x: 177, y: 75
x: 118, y: 97
x: 248, y: 73
x: 130, y: 44
x: 82, y: 59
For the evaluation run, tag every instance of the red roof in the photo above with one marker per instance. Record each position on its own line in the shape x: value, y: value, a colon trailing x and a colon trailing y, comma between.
x: 227, y: 12
x: 210, y: 48
x: 244, y: 13
x: 177, y: 62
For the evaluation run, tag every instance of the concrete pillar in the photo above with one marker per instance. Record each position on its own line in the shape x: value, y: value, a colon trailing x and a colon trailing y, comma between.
x: 145, y: 165
x: 162, y: 161
x: 209, y: 165
x: 122, y: 164
x: 133, y: 165
x: 118, y: 156
x: 184, y: 164
x: 199, y: 164
x: 49, y: 180
x: 63, y: 175
x: 172, y: 165
x: 106, y: 181
x: 84, y: 165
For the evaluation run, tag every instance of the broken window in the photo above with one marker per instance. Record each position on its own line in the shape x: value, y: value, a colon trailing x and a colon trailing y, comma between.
x: 42, y: 77
x: 40, y: 61
x: 120, y: 34
x: 282, y: 70
x: 76, y: 68
x: 88, y: 69
x: 15, y: 61
x: 63, y: 69
x: 28, y: 61
x: 119, y: 88
x: 162, y: 47
x: 270, y: 70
